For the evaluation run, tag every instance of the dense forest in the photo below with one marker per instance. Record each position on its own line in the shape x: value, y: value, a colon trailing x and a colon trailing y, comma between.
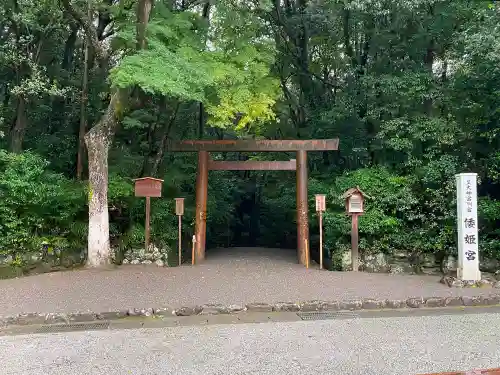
x: 93, y: 91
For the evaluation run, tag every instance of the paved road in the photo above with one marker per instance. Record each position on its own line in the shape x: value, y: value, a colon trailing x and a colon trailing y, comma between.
x: 401, y: 345
x: 229, y: 276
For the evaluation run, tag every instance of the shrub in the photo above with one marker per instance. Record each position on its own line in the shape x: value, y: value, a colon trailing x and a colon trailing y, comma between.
x: 386, y: 211
x: 416, y: 214
x: 489, y: 228
x: 36, y: 205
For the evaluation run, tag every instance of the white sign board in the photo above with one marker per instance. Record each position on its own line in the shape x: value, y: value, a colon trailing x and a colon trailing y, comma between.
x: 468, y: 250
x: 355, y: 203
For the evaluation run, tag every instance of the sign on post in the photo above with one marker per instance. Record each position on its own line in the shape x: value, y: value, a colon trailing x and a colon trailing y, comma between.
x: 320, y: 202
x: 179, y: 206
x: 354, y: 204
x: 179, y: 211
x: 148, y: 187
x: 468, y: 250
x: 320, y: 208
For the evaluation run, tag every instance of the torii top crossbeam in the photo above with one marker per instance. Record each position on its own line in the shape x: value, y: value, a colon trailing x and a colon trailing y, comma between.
x: 255, y: 145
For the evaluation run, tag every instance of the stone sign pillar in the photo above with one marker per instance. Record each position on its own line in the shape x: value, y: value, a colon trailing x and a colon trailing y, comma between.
x: 468, y: 250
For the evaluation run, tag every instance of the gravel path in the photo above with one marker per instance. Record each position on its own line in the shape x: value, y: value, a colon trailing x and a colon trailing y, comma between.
x: 370, y: 346
x: 227, y: 276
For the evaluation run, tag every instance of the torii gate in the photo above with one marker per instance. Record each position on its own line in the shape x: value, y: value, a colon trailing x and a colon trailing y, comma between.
x: 299, y: 164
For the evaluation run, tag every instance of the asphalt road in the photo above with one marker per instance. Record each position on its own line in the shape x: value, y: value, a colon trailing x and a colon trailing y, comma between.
x: 395, y: 345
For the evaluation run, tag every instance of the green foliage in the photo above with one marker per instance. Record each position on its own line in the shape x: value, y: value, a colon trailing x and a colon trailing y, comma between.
x: 38, y: 84
x: 36, y: 204
x: 411, y: 88
x: 402, y: 214
x: 388, y: 211
x: 489, y: 216
x: 183, y: 73
x: 119, y: 188
x: 230, y: 82
x: 164, y: 223
x: 133, y: 238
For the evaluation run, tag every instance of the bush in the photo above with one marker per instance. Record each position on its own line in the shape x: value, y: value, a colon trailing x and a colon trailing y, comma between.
x: 489, y: 228
x: 37, y: 205
x: 386, y: 211
x: 416, y: 214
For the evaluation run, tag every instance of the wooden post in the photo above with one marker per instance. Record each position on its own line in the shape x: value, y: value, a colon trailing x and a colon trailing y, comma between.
x: 321, y: 240
x: 320, y: 208
x: 307, y: 254
x: 179, y: 211
x: 354, y: 205
x: 148, y: 216
x: 180, y: 239
x: 201, y: 204
x: 302, y: 208
x: 192, y: 251
x: 354, y: 243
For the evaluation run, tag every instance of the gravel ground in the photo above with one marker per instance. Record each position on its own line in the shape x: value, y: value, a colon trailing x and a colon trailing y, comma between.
x: 366, y: 346
x: 227, y: 276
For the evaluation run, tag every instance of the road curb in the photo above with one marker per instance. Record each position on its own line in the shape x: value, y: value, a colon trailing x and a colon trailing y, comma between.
x: 215, y: 309
x: 491, y: 371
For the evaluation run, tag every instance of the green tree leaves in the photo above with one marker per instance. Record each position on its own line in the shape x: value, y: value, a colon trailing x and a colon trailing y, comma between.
x: 411, y: 88
x: 227, y: 73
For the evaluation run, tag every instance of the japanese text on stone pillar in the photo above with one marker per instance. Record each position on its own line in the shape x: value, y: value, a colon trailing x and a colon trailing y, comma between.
x: 467, y: 224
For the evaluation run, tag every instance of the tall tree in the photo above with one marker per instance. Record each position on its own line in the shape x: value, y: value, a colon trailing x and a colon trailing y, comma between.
x: 191, y: 70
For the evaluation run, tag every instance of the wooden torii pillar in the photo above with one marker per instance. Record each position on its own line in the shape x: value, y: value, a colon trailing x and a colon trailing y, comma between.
x: 299, y: 164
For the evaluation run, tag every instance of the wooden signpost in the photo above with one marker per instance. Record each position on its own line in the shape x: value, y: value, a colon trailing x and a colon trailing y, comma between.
x: 148, y: 187
x: 192, y: 251
x: 179, y: 211
x: 307, y: 253
x: 320, y: 208
x: 354, y: 202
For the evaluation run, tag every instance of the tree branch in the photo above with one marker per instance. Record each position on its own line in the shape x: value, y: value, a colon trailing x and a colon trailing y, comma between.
x: 107, y: 34
x: 90, y: 30
x: 104, y: 19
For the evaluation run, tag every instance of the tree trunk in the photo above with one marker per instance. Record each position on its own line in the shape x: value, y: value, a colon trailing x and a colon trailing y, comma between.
x: 205, y: 14
x: 143, y: 11
x: 305, y: 81
x: 20, y: 125
x: 69, y: 49
x: 83, y: 112
x: 163, y: 144
x: 201, y: 121
x: 98, y: 140
x: 19, y: 128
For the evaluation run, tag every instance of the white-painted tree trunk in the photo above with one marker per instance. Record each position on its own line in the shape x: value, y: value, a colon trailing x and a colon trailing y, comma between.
x: 98, y: 140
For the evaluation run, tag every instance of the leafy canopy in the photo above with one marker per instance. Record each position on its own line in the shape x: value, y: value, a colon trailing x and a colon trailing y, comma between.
x: 228, y: 69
